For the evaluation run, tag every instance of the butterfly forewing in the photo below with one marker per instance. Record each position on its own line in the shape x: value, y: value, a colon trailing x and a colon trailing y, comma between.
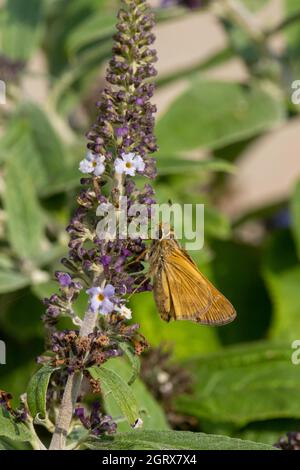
x: 181, y: 292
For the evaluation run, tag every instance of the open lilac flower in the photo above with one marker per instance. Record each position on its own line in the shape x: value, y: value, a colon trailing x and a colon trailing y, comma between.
x: 93, y: 163
x: 129, y: 164
x: 100, y: 299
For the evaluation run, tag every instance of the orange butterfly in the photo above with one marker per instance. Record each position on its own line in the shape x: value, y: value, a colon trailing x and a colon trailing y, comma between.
x: 181, y: 292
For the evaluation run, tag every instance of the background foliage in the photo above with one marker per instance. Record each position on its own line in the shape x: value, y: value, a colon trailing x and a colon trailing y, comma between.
x: 243, y: 383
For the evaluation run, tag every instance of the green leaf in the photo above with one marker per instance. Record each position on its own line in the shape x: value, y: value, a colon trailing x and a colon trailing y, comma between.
x: 152, y: 413
x: 94, y: 29
x: 73, y: 84
x: 67, y: 179
x: 133, y: 359
x: 24, y: 216
x: 6, y: 262
x: 177, y: 440
x: 282, y: 276
x: 32, y: 140
x: 291, y: 32
x: 37, y: 391
x: 13, y: 133
x: 213, y: 114
x: 21, y: 27
x: 243, y: 384
x: 120, y: 391
x: 5, y: 445
x: 295, y: 211
x: 42, y: 151
x: 292, y: 36
x: 46, y: 140
x: 8, y: 444
x: 13, y: 429
x: 12, y: 280
x: 268, y: 432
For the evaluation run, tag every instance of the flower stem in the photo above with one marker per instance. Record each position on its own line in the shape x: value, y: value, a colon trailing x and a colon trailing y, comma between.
x: 71, y: 393
x: 66, y: 411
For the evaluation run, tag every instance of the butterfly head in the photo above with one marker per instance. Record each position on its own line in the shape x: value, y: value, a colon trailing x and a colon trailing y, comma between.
x: 165, y: 231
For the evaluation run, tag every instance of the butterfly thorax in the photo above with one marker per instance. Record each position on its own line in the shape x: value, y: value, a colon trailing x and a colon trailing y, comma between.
x: 160, y: 251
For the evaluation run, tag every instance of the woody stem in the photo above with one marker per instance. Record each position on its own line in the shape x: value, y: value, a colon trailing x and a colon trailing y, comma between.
x: 71, y: 393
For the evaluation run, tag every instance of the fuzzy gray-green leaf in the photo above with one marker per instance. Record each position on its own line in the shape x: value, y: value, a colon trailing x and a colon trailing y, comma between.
x: 120, y: 391
x: 12, y: 429
x: 37, y: 391
x: 214, y: 114
x: 244, y: 384
x: 173, y: 440
x: 24, y: 217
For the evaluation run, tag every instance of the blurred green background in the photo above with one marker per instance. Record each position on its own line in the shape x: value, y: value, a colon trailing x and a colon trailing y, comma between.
x: 228, y: 135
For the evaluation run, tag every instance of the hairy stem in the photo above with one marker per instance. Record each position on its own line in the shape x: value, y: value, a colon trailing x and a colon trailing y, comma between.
x: 66, y: 411
x: 71, y: 393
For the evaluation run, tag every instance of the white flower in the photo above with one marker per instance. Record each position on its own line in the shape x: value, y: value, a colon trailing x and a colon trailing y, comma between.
x: 86, y: 166
x: 93, y: 163
x: 129, y: 164
x: 124, y: 311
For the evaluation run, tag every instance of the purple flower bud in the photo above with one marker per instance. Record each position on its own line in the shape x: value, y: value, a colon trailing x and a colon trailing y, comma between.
x: 53, y: 311
x: 125, y: 252
x: 64, y: 279
x: 148, y: 190
x: 130, y: 187
x: 79, y: 412
x: 54, y: 299
x: 149, y: 201
x: 121, y: 132
x: 105, y: 260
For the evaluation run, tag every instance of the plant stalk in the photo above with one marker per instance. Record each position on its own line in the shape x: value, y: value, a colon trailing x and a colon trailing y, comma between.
x: 71, y: 393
